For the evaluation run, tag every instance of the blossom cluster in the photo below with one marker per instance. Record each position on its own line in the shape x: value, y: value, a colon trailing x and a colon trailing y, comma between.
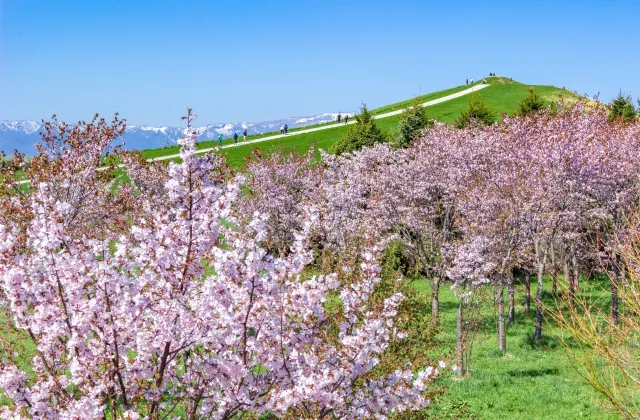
x: 183, y: 309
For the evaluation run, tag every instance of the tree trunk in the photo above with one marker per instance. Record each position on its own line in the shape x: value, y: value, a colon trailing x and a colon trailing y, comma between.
x: 541, y: 255
x: 512, y: 299
x: 576, y: 272
x: 615, y: 282
x: 527, y: 293
x: 435, y: 301
x: 553, y: 272
x: 459, y: 341
x: 567, y: 275
x: 499, y: 294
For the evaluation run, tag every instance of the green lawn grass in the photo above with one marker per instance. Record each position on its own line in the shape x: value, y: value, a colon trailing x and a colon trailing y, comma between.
x: 502, y: 98
x: 529, y: 382
x: 152, y: 153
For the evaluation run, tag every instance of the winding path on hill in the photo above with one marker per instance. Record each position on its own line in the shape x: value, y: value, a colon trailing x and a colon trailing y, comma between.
x: 311, y: 130
x: 329, y: 126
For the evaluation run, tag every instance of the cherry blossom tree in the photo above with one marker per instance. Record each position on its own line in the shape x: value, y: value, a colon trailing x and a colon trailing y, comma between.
x: 280, y: 185
x: 176, y: 311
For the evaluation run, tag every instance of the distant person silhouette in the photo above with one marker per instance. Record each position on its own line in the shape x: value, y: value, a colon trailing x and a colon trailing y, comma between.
x: 339, y: 116
x: 235, y: 138
x: 220, y: 140
x: 244, y: 134
x: 346, y: 118
x: 467, y: 82
x: 471, y: 81
x: 282, y: 129
x: 286, y: 129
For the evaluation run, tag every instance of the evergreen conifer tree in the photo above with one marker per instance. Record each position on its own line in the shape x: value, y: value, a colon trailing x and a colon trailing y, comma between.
x: 412, y: 120
x: 531, y: 104
x: 622, y: 108
x: 364, y: 133
x: 477, y: 111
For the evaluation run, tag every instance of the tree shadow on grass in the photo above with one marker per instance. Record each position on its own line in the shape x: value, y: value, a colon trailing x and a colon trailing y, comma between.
x: 448, y: 306
x: 546, y: 342
x: 533, y: 373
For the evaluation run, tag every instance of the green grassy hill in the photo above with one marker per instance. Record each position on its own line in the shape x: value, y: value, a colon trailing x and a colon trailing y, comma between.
x: 503, y: 95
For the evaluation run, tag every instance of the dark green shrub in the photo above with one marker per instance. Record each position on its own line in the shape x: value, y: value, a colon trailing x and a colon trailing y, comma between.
x: 364, y: 133
x: 621, y: 108
x: 394, y: 260
x: 531, y: 104
x: 477, y: 111
x: 411, y: 122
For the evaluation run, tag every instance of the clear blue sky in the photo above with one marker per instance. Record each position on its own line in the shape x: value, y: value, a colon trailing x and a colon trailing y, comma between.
x: 257, y: 60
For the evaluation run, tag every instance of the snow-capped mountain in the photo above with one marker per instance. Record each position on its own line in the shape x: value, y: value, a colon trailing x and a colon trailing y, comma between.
x: 23, y: 135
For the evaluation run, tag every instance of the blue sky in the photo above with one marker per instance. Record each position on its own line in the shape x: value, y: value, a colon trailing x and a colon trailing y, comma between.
x: 259, y: 60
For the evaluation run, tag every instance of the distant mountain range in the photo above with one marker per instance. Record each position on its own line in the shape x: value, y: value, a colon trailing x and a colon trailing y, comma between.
x: 23, y: 135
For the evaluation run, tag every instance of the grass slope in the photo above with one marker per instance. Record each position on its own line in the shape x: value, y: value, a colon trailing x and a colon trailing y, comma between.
x: 152, y: 153
x: 503, y: 98
x: 529, y: 382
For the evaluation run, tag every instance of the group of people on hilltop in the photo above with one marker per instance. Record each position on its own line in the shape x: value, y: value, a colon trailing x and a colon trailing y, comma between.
x: 470, y: 81
x: 235, y: 137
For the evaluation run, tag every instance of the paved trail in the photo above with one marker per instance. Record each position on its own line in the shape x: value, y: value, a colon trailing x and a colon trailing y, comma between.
x: 328, y: 126
x: 311, y: 130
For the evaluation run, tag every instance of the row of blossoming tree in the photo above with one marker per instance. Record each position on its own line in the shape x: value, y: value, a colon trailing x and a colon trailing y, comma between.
x: 152, y: 298
x: 548, y: 195
x: 191, y: 291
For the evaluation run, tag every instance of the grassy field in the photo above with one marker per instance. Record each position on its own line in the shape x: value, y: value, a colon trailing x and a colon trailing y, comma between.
x: 503, y: 96
x: 151, y: 153
x: 529, y: 382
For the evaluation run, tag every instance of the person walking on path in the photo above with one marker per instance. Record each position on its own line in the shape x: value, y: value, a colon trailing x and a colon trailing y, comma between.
x: 346, y: 118
x: 244, y: 135
x: 282, y: 129
x: 339, y: 116
x: 235, y: 138
x: 467, y: 82
x: 220, y: 140
x: 286, y: 129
